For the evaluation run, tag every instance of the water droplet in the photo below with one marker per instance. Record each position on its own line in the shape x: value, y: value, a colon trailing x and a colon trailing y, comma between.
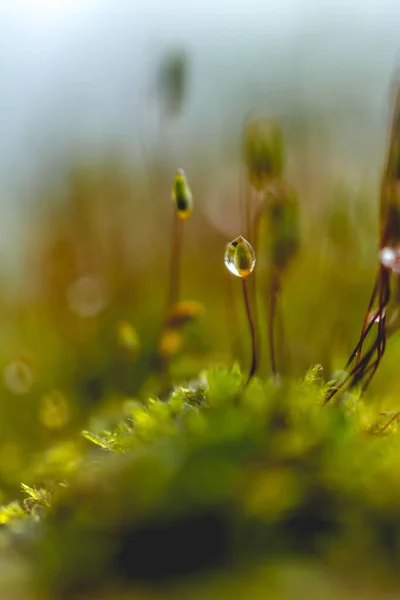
x: 375, y: 316
x: 240, y: 257
x: 390, y: 258
x: 87, y: 296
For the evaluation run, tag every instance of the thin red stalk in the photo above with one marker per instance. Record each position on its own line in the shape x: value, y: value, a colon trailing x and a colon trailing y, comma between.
x: 365, y: 324
x: 360, y: 343
x: 254, y: 362
x: 354, y: 375
x: 381, y: 339
x: 391, y: 420
x: 364, y: 366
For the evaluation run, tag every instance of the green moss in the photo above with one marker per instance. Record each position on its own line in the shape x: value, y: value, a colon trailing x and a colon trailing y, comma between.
x: 219, y: 478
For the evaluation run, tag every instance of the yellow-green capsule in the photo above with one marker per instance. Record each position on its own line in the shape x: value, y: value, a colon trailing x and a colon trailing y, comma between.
x: 240, y: 257
x: 282, y: 238
x: 263, y: 151
x: 182, y: 196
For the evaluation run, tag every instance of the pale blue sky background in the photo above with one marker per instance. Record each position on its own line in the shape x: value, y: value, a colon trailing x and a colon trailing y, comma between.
x: 74, y: 75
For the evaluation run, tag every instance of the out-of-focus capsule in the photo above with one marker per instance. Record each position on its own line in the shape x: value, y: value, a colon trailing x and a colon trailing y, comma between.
x: 263, y: 151
x: 170, y: 343
x: 183, y: 312
x: 172, y: 82
x: 127, y: 337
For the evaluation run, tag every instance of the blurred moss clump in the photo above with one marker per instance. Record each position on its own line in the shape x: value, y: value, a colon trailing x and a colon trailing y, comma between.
x: 216, y: 482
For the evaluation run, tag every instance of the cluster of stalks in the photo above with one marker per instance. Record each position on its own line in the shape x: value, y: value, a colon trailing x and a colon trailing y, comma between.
x: 272, y: 219
x: 271, y: 224
x: 271, y: 205
x: 363, y: 363
x: 271, y: 209
x: 239, y: 259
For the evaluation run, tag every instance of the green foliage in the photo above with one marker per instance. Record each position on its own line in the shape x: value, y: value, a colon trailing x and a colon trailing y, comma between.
x: 220, y: 477
x: 216, y: 477
x: 10, y: 512
x: 107, y: 441
x: 40, y: 496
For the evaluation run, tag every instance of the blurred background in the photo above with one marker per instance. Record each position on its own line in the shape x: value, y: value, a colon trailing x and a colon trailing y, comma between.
x: 101, y: 102
x: 79, y: 81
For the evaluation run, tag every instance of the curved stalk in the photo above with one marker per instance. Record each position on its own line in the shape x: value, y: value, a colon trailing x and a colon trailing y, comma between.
x: 367, y: 364
x: 254, y: 361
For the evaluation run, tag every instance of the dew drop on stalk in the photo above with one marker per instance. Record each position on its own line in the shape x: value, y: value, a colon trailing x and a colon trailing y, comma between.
x: 390, y: 258
x: 375, y: 316
x: 240, y: 257
x: 240, y: 260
